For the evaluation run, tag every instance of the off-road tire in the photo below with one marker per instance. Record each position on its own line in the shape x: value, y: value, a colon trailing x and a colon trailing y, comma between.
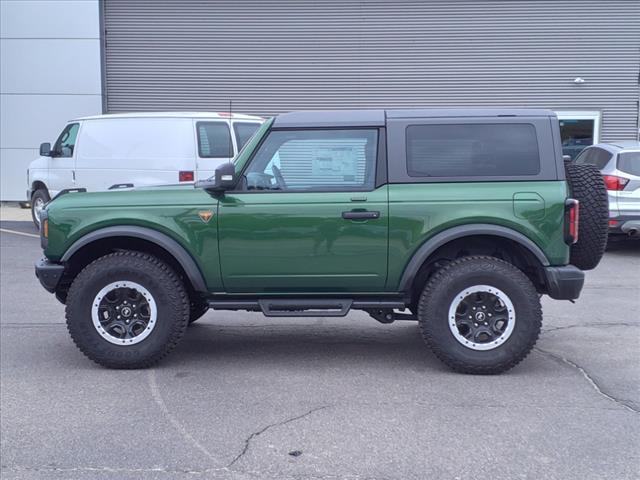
x: 587, y: 186
x: 40, y: 194
x: 441, y: 290
x: 163, y: 284
x: 197, y: 309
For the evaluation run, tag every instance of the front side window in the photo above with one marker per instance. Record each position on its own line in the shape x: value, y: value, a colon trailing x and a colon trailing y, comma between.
x: 243, y: 132
x: 629, y: 162
x: 66, y: 142
x: 315, y: 160
x: 214, y: 140
x: 472, y: 150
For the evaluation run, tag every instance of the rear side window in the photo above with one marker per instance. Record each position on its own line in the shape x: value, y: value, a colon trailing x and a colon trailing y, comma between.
x: 243, y: 132
x: 472, y: 150
x: 629, y: 162
x: 594, y: 156
x: 214, y: 140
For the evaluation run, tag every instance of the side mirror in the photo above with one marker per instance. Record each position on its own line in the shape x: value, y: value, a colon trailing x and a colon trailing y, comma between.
x: 45, y: 149
x: 223, y: 179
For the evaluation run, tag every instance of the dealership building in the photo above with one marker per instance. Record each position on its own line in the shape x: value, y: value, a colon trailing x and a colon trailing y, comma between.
x: 61, y: 59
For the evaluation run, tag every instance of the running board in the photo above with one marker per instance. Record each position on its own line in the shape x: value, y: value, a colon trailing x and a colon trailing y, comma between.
x: 337, y: 307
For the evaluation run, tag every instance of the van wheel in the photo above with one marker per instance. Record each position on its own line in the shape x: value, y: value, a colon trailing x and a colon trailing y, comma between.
x: 127, y: 310
x: 38, y: 200
x: 480, y: 315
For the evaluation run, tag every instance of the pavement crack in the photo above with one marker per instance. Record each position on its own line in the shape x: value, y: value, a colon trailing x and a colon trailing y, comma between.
x: 589, y: 379
x: 591, y: 325
x: 157, y: 397
x: 248, y: 440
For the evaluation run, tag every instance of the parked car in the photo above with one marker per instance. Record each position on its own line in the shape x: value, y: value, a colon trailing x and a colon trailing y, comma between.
x: 459, y: 219
x: 619, y: 163
x: 135, y: 149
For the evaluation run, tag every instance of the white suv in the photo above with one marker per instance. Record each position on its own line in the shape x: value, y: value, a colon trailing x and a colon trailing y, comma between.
x: 619, y: 163
x: 135, y: 149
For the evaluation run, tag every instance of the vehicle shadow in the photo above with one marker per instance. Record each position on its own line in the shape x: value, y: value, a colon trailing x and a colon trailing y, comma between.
x: 623, y: 244
x: 288, y: 345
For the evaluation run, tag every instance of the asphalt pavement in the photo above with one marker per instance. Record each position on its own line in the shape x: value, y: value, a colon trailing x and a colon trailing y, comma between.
x: 249, y: 397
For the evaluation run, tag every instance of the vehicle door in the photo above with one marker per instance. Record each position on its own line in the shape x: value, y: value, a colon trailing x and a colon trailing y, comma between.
x: 309, y: 214
x: 62, y: 160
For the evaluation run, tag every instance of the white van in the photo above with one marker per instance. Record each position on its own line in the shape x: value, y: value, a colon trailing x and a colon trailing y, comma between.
x: 135, y: 149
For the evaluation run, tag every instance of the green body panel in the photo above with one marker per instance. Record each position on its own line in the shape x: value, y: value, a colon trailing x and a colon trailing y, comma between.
x: 273, y: 243
x: 172, y: 210
x: 417, y: 212
x: 292, y: 242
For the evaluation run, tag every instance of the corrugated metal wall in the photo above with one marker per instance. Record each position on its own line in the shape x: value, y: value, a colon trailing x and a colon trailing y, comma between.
x: 276, y: 56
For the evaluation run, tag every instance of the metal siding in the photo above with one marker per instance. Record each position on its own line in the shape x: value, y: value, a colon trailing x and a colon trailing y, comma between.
x: 270, y: 57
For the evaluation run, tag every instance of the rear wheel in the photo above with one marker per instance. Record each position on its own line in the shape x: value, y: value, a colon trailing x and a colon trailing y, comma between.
x: 587, y: 186
x: 480, y: 315
x: 127, y: 310
x: 38, y: 200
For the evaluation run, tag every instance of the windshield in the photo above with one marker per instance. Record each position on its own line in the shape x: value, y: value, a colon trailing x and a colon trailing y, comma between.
x: 629, y: 162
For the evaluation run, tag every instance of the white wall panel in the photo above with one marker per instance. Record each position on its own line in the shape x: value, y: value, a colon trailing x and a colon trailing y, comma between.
x: 49, y: 73
x: 49, y: 19
x: 28, y: 120
x: 51, y: 66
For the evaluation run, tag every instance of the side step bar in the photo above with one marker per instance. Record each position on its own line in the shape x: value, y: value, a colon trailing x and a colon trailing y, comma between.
x: 338, y: 307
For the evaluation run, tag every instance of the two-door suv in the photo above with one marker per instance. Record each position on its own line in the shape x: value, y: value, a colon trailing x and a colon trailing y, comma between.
x: 460, y: 219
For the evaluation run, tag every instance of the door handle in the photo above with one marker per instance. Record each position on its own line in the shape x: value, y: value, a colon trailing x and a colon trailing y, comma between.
x: 360, y: 214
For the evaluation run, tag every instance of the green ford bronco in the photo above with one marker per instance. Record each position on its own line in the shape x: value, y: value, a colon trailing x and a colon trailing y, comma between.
x: 459, y: 219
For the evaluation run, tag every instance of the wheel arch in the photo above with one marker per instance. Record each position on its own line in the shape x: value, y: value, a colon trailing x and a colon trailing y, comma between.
x: 101, y: 241
x: 426, y: 251
x: 38, y: 185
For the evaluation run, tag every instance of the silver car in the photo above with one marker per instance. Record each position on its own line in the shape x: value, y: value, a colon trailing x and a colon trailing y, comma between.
x: 619, y: 163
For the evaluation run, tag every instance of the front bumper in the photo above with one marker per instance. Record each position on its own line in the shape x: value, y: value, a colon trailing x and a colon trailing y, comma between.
x: 564, y: 283
x: 49, y: 274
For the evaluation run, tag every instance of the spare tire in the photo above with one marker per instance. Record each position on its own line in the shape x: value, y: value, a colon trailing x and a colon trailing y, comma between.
x: 587, y: 186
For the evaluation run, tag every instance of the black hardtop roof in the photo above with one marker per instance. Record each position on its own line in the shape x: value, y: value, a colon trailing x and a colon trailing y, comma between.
x: 377, y: 118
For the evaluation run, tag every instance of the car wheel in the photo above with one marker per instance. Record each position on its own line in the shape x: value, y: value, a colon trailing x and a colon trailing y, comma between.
x: 587, y: 186
x: 480, y: 315
x: 38, y: 200
x: 127, y: 310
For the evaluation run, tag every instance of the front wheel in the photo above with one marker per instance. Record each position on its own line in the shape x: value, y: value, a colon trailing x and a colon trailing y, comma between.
x: 38, y: 200
x: 480, y: 315
x: 127, y: 310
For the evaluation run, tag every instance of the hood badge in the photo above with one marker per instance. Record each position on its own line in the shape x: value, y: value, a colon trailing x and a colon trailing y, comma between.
x: 205, y: 215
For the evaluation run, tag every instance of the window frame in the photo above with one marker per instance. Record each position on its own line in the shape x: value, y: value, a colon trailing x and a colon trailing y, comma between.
x: 379, y: 164
x: 231, y: 139
x: 545, y: 136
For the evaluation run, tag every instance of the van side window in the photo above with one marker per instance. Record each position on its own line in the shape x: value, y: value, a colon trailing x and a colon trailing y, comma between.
x: 214, y: 140
x: 470, y: 150
x: 243, y: 132
x: 66, y: 141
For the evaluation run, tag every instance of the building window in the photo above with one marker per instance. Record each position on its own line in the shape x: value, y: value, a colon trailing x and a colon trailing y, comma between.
x: 578, y: 130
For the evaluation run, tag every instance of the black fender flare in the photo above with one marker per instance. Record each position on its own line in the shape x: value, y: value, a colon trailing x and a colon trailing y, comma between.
x: 164, y: 241
x: 438, y: 240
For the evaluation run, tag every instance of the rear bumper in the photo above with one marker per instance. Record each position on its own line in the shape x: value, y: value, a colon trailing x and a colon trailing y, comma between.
x: 49, y: 274
x: 625, y: 224
x: 564, y: 283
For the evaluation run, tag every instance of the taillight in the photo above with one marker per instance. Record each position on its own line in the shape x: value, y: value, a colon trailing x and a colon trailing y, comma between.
x: 571, y: 220
x: 186, y: 176
x: 615, y: 183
